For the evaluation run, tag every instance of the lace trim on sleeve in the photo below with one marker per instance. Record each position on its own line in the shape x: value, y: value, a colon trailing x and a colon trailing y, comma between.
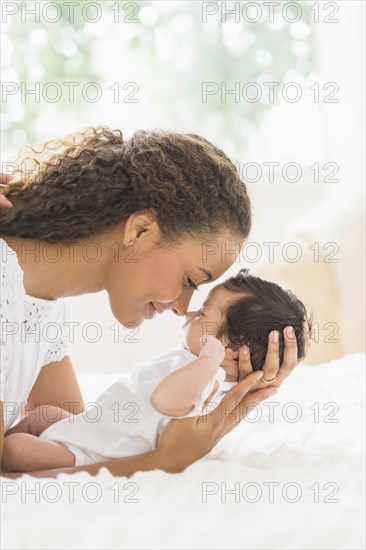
x: 59, y: 349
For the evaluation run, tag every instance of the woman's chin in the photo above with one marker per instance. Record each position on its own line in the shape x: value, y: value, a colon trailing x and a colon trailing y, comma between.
x: 135, y: 317
x: 129, y: 320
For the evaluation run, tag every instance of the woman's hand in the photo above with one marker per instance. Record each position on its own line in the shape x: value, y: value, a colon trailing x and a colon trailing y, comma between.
x: 271, y: 369
x: 4, y: 203
x: 186, y: 440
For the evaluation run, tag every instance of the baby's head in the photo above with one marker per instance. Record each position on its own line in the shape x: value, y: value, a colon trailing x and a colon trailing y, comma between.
x: 243, y: 311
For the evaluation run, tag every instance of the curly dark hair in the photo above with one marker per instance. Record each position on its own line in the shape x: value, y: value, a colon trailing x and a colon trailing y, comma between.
x: 264, y: 306
x: 89, y: 181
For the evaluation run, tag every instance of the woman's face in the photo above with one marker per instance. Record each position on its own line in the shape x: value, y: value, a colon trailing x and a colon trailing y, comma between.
x: 149, y: 279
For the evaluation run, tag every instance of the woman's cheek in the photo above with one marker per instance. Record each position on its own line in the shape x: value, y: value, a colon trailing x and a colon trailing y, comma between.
x: 121, y: 308
x: 165, y: 290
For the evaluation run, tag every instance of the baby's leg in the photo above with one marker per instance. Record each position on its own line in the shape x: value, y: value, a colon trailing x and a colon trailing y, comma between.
x: 35, y: 422
x: 24, y: 452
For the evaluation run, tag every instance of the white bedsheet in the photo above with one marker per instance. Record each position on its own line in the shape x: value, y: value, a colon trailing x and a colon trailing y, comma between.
x: 296, y: 482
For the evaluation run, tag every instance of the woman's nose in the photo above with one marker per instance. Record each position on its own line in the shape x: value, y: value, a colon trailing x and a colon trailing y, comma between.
x: 180, y: 305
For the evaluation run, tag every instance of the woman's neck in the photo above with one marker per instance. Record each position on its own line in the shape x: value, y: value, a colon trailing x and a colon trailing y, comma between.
x: 58, y: 270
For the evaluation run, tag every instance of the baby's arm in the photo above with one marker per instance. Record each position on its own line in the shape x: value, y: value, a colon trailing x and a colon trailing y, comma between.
x: 177, y: 393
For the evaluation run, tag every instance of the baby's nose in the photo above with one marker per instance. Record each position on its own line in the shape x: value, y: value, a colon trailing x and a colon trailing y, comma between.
x: 190, y: 315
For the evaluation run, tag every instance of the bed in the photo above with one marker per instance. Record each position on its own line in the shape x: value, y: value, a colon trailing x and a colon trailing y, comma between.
x: 290, y: 477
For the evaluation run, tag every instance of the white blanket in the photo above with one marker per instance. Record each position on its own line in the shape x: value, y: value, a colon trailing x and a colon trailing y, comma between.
x: 294, y: 481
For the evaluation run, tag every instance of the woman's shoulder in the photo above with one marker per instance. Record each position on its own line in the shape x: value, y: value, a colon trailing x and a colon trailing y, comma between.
x: 14, y: 300
x: 11, y: 277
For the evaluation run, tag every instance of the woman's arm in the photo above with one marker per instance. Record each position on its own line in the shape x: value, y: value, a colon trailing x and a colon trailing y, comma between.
x: 183, y: 441
x: 56, y: 384
x: 186, y: 440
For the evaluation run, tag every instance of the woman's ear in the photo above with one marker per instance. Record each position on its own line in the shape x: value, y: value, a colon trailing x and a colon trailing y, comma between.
x: 139, y: 224
x: 231, y: 354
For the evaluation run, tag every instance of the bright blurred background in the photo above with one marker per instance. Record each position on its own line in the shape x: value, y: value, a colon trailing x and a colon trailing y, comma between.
x: 167, y: 64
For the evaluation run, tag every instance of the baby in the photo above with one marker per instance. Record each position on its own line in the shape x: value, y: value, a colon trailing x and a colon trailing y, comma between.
x: 129, y: 416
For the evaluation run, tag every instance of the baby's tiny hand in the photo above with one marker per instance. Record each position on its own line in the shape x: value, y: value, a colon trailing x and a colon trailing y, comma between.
x: 212, y: 347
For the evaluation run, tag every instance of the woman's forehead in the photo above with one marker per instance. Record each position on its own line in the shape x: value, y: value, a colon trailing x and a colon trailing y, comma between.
x: 223, y: 249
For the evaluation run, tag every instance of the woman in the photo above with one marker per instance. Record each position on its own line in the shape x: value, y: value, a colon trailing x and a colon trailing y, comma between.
x: 160, y: 214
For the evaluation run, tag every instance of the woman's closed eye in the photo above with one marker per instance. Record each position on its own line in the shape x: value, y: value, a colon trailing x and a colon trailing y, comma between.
x: 191, y: 284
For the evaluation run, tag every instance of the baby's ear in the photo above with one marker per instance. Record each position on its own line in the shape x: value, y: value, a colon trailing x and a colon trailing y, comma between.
x: 231, y: 354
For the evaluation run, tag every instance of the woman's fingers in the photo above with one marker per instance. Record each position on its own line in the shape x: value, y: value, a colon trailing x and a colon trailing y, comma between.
x: 236, y: 394
x: 245, y: 366
x: 290, y: 355
x: 306, y: 340
x: 289, y: 362
x: 290, y: 359
x: 4, y: 178
x: 271, y: 367
x: 4, y: 202
x: 272, y: 362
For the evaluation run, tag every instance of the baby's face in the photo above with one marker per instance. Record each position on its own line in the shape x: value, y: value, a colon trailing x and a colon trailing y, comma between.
x: 208, y: 319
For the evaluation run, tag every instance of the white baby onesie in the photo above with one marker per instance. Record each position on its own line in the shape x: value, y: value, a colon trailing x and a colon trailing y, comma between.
x: 122, y: 422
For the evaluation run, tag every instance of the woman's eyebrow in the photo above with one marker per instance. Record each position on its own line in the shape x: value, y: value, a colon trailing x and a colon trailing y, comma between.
x: 207, y: 273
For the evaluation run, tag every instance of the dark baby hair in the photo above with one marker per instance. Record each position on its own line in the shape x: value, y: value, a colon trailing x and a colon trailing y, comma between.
x: 89, y: 181
x: 265, y: 307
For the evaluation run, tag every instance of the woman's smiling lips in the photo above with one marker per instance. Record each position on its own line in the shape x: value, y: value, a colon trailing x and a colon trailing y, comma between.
x: 160, y: 310
x: 152, y: 310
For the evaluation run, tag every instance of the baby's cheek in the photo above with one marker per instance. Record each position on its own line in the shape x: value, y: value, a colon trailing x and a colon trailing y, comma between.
x: 209, y: 327
x: 194, y: 337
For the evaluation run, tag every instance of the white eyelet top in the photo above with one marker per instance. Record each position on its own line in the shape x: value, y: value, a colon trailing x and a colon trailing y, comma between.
x: 34, y: 333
